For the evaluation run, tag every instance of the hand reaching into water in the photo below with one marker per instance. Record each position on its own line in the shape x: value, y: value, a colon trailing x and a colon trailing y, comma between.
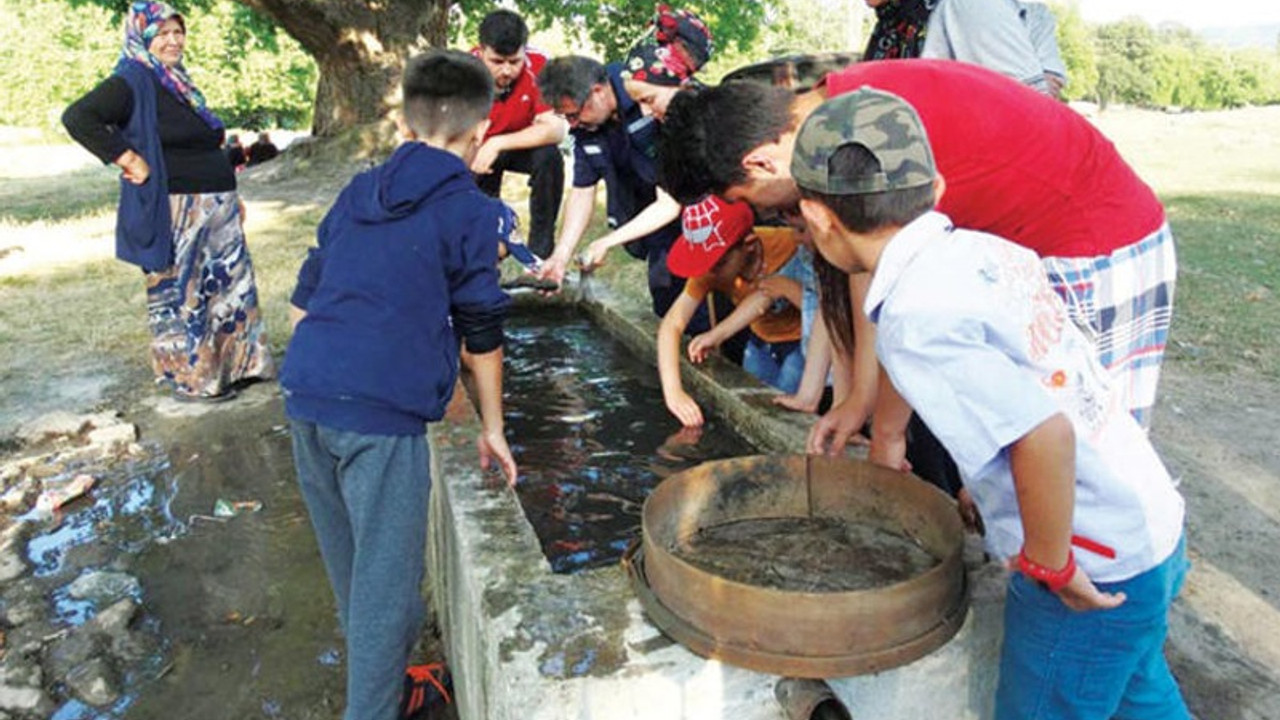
x: 493, y: 448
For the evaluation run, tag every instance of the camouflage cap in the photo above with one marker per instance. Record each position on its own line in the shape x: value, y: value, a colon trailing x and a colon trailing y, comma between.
x: 881, y: 122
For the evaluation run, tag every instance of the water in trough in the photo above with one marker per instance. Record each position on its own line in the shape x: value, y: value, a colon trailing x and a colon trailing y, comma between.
x: 592, y: 436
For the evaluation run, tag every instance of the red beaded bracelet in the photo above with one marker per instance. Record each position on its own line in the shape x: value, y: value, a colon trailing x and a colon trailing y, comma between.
x: 1052, y: 580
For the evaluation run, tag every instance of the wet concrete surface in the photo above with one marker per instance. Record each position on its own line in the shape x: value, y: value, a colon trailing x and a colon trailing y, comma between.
x: 242, y: 603
x: 240, y: 606
x: 245, y: 605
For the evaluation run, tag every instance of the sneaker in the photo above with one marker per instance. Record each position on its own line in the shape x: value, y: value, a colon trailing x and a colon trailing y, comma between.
x: 228, y: 394
x: 426, y: 687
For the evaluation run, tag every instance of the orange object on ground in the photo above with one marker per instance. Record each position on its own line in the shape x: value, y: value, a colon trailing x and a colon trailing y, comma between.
x: 425, y: 686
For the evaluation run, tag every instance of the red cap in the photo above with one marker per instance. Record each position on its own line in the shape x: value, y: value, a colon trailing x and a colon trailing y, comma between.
x: 710, y: 228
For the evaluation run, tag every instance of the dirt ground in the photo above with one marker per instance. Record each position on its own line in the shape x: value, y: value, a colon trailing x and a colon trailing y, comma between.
x: 1218, y: 432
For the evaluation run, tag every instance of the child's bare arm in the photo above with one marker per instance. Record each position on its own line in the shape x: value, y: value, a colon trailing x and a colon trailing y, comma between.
x: 889, y: 422
x: 752, y: 307
x: 780, y: 286
x: 486, y: 373
x: 833, y: 430
x: 817, y: 362
x: 672, y: 328
x: 1044, y: 476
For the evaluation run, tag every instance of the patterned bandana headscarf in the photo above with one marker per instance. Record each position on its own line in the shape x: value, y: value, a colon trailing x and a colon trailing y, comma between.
x: 900, y: 30
x: 140, y: 28
x: 677, y: 47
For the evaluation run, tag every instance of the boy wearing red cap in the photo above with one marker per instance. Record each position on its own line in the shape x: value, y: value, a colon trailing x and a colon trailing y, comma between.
x: 719, y: 251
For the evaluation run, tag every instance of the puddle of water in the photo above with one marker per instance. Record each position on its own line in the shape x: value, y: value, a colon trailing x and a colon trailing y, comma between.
x: 244, y: 603
x: 593, y: 437
x: 239, y: 608
x: 76, y: 710
x: 124, y: 516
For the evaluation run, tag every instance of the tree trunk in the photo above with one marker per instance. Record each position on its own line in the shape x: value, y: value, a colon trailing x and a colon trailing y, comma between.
x: 360, y: 48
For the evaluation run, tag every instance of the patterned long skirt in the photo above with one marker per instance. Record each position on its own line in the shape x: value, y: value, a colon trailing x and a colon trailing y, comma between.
x: 206, y: 331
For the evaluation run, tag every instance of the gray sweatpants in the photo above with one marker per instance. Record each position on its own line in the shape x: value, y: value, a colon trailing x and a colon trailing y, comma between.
x: 367, y: 497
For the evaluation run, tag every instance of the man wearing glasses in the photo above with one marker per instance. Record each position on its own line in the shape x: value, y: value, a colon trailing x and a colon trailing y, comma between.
x: 613, y: 141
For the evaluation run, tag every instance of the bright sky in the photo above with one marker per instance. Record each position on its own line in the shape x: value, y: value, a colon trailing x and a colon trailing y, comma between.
x: 1194, y: 14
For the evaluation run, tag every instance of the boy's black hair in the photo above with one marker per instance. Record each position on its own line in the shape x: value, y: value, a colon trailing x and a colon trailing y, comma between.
x: 861, y: 213
x: 571, y: 77
x: 707, y: 133
x: 446, y: 92
x: 682, y: 142
x: 504, y: 32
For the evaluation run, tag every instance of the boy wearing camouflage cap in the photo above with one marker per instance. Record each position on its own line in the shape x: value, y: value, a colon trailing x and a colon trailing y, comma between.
x: 971, y: 334
x: 1027, y: 168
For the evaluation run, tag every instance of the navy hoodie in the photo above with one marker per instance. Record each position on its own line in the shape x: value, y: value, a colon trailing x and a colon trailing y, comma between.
x: 406, y: 268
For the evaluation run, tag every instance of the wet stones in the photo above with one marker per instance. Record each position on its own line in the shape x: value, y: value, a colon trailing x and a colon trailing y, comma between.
x: 21, y: 691
x: 95, y: 682
x: 22, y: 602
x: 12, y: 547
x: 104, y: 587
x: 68, y: 608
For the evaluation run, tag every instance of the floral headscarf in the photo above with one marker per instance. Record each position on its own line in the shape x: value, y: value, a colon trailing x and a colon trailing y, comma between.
x: 678, y: 46
x: 900, y: 30
x: 140, y: 28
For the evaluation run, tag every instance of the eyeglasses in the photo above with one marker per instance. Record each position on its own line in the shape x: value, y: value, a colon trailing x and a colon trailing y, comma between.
x: 572, y: 117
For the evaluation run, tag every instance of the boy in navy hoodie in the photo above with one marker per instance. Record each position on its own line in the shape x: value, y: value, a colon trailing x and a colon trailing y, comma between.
x: 405, y: 272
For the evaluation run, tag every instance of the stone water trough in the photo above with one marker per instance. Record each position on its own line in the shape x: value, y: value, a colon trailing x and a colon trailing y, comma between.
x: 525, y: 643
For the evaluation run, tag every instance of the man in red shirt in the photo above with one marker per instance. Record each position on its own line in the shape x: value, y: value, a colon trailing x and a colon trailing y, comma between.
x: 524, y: 134
x: 1015, y: 163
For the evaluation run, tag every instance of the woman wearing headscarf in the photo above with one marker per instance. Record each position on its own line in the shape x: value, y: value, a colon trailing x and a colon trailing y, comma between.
x: 179, y: 217
x: 664, y: 62
x: 1012, y: 37
x: 900, y: 29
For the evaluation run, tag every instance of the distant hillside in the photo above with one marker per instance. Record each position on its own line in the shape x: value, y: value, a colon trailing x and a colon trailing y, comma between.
x: 1260, y: 36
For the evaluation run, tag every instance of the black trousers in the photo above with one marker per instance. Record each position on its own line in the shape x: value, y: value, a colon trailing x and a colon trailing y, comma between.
x: 545, y: 167
x: 929, y: 459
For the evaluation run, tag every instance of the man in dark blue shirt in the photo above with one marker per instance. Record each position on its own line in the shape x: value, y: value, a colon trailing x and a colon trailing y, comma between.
x: 614, y: 141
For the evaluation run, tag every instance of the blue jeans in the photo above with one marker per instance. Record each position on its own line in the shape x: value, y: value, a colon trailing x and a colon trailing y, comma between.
x: 779, y: 365
x: 1059, y: 663
x: 367, y: 496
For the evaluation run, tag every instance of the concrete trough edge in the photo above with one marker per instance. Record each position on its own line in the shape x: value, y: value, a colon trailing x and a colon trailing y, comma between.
x: 526, y: 643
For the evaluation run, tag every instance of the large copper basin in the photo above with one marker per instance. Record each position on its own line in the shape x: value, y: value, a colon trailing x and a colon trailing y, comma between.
x: 794, y: 633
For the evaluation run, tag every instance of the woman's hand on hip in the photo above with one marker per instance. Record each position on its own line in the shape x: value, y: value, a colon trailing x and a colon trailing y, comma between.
x: 135, y: 167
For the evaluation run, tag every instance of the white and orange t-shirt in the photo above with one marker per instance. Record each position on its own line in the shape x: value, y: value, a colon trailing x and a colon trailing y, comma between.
x: 981, y: 347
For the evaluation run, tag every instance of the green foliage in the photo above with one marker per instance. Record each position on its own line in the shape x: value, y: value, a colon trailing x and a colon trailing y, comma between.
x: 614, y: 26
x: 1075, y: 43
x: 1126, y: 57
x: 251, y: 74
x: 37, y: 79
x: 797, y: 26
x: 1130, y: 62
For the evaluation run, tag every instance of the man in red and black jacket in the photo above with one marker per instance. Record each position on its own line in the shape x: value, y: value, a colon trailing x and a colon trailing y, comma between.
x: 524, y: 134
